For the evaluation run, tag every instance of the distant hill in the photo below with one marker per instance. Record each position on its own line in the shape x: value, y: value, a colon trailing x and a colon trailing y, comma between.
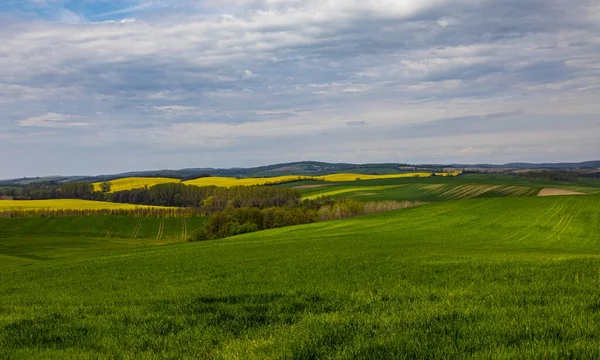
x: 302, y: 168
x: 558, y: 166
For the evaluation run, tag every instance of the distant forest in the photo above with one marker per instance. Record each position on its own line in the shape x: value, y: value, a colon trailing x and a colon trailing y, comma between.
x: 567, y: 176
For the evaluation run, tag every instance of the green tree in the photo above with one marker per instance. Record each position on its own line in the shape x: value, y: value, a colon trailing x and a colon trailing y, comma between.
x: 105, y: 187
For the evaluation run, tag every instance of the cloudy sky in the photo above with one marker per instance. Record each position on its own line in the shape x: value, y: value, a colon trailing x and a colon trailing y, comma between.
x: 105, y: 86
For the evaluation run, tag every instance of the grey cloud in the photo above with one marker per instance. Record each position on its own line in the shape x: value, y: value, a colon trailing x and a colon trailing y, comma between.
x: 356, y: 123
x: 277, y: 70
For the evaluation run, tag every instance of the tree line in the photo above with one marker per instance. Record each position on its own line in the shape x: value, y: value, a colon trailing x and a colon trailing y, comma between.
x: 209, y: 198
x: 53, y: 190
x: 568, y: 176
x: 157, y: 213
x: 205, y: 199
x: 236, y: 221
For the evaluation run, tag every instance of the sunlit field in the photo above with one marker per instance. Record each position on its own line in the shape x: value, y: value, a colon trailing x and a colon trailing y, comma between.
x: 134, y: 183
x: 423, y: 192
x: 353, y: 177
x: 27, y: 240
x: 63, y: 204
x: 229, y: 181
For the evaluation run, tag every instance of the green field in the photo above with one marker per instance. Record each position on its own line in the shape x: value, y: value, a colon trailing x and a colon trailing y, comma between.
x: 480, y: 278
x: 439, y: 188
x: 422, y: 192
x: 30, y: 239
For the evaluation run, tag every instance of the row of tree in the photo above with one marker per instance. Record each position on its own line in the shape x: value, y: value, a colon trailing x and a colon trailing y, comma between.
x: 146, y: 212
x: 568, y: 176
x: 53, y: 190
x: 236, y: 221
x: 593, y: 174
x: 209, y: 198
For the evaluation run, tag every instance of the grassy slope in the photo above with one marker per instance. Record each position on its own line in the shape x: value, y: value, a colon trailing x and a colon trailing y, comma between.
x: 510, y: 277
x: 31, y: 239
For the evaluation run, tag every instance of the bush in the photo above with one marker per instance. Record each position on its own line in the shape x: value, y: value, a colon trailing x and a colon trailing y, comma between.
x: 237, y: 221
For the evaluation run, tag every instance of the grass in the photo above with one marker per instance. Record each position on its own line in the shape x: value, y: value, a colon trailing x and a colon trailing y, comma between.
x: 134, y: 183
x: 480, y: 278
x: 32, y: 239
x: 63, y: 204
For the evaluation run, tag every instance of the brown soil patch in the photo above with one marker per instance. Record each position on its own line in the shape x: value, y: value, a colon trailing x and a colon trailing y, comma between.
x: 558, y: 192
x: 304, y: 187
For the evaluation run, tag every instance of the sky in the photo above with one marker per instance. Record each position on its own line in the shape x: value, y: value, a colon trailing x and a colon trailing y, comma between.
x: 93, y: 87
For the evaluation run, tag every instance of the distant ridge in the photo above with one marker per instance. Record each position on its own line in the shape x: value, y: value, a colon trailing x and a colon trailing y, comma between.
x: 564, y: 166
x: 305, y: 168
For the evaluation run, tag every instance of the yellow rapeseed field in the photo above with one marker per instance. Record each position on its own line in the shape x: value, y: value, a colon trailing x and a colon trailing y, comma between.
x: 63, y: 204
x: 353, y: 177
x: 138, y: 183
x: 134, y: 183
x: 447, y: 174
x: 228, y: 182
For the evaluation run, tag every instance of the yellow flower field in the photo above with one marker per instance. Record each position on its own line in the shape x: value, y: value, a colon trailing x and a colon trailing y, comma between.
x: 353, y: 177
x: 63, y: 204
x: 138, y: 183
x: 228, y: 182
x: 134, y: 183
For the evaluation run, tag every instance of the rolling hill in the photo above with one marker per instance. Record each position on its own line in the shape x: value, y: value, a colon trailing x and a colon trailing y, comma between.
x: 480, y: 278
x: 309, y: 168
x: 33, y: 239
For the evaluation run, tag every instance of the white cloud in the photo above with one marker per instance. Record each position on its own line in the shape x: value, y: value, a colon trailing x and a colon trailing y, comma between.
x: 220, y: 75
x: 248, y: 74
x: 171, y: 108
x: 52, y: 120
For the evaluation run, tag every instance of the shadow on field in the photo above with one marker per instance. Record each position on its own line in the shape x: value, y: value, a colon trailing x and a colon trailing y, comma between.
x: 145, y: 328
x: 49, y: 331
x: 235, y: 315
x: 303, y: 326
